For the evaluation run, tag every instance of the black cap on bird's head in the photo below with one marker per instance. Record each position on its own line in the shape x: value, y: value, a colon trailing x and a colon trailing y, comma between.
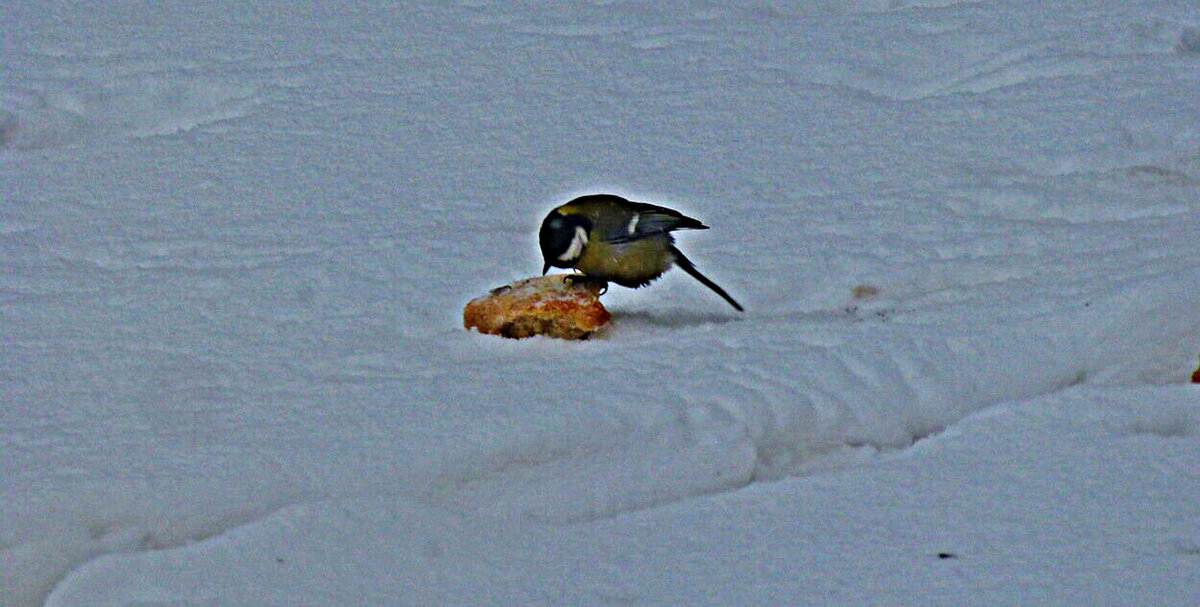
x: 562, y: 238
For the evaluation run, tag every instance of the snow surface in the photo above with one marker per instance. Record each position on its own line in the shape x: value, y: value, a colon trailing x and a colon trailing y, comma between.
x: 236, y: 239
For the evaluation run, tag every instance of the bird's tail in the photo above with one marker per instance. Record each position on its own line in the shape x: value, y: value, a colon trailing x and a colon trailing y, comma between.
x: 687, y: 266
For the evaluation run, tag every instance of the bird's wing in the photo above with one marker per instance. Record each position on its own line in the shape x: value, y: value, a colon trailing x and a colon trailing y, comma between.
x: 650, y: 220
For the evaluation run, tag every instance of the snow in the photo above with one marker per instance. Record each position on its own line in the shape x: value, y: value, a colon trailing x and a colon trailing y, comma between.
x: 236, y: 241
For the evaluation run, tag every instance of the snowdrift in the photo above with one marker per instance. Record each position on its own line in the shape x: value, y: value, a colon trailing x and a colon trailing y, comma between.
x: 236, y: 242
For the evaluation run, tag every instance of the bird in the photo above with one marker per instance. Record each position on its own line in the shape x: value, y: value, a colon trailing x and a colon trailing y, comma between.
x: 611, y: 239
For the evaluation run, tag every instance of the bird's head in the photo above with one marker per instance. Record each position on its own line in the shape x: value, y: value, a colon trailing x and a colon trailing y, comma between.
x: 563, y: 237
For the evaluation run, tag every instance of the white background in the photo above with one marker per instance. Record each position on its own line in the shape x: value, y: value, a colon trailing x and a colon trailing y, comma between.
x: 236, y: 238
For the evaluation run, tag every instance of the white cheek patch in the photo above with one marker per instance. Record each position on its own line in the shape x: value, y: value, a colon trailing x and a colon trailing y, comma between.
x: 633, y: 224
x: 577, y: 244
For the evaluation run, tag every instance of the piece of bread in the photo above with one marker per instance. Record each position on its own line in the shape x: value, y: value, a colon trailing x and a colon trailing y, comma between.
x: 543, y: 305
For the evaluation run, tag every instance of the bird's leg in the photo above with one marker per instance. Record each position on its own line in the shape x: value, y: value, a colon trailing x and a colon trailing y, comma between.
x: 583, y: 279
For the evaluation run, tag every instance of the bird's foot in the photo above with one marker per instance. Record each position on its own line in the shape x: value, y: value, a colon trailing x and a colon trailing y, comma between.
x: 584, y: 279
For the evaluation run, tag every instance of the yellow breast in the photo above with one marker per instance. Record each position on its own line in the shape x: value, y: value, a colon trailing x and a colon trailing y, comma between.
x: 631, y: 264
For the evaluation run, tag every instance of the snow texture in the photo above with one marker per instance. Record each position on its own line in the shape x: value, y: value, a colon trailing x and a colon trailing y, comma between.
x: 235, y: 241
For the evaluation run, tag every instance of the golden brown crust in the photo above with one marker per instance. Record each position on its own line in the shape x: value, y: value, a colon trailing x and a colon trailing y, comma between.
x: 543, y: 305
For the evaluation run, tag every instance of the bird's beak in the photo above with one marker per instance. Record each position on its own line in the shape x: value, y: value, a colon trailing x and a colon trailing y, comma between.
x: 545, y: 268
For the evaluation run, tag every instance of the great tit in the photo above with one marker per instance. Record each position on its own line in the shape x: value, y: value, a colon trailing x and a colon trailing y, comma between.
x: 609, y: 238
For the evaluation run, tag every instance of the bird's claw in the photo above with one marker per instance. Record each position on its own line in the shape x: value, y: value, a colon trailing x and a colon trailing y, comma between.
x: 584, y: 279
